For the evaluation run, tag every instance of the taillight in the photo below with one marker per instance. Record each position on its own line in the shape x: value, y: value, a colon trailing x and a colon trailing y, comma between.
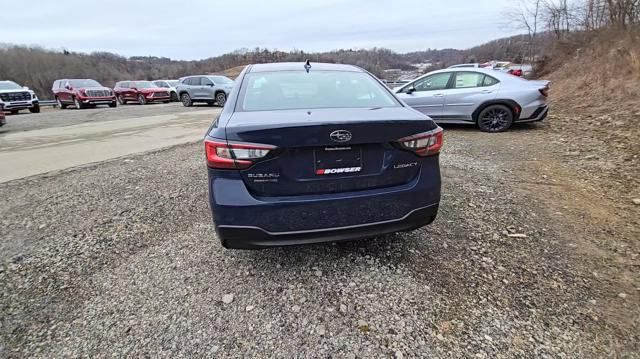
x: 234, y: 155
x: 423, y: 144
x: 544, y: 92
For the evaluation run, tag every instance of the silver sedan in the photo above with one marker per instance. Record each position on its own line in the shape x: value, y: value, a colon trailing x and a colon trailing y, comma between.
x: 490, y: 99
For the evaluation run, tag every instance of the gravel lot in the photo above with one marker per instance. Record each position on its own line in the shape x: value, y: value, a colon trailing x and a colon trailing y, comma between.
x: 120, y: 259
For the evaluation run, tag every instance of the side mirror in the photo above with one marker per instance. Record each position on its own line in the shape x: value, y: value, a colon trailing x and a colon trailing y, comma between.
x: 210, y: 85
x: 68, y: 87
x: 410, y: 90
x: 134, y: 88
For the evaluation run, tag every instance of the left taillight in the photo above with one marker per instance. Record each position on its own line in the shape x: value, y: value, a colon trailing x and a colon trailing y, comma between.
x: 234, y: 155
x: 423, y: 144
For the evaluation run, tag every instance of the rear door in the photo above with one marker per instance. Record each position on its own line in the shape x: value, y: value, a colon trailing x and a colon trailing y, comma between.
x: 469, y: 89
x: 427, y: 94
x: 195, y: 87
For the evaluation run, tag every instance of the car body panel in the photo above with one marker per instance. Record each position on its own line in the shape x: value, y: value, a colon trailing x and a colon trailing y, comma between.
x: 460, y: 105
x: 283, y: 199
x: 16, y: 97
x: 87, y: 95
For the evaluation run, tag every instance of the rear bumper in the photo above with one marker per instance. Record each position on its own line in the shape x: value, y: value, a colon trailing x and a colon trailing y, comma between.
x: 538, y: 114
x: 243, y: 220
x: 248, y: 237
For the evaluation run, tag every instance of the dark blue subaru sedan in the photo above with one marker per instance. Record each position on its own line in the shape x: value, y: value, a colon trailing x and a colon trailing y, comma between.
x: 308, y: 153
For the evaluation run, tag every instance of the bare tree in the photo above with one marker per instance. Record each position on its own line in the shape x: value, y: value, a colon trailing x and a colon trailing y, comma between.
x: 525, y: 14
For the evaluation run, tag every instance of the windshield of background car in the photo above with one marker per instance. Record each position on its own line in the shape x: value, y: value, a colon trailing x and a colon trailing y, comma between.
x: 84, y: 83
x: 9, y: 85
x: 221, y: 80
x: 290, y: 90
x: 145, y: 84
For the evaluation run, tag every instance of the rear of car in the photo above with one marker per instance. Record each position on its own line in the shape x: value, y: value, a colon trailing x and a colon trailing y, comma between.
x: 330, y: 154
x: 492, y: 100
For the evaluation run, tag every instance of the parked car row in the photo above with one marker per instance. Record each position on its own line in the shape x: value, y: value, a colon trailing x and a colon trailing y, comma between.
x: 84, y: 93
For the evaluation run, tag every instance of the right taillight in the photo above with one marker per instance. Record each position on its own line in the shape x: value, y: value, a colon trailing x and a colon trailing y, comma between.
x: 423, y: 144
x: 234, y: 155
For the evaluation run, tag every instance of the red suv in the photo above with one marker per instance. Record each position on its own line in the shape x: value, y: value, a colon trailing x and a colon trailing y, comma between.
x: 141, y: 92
x: 82, y: 93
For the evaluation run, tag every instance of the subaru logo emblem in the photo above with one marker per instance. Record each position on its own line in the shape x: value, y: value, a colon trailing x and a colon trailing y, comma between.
x: 340, y: 136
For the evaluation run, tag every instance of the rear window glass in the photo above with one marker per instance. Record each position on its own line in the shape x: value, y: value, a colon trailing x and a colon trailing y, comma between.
x: 290, y: 90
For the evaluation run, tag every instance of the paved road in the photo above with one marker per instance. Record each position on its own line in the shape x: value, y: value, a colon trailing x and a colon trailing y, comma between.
x: 56, y: 140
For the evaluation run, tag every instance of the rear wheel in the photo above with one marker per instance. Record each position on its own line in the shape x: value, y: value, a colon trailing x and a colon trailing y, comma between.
x: 77, y: 103
x: 142, y: 100
x: 35, y: 109
x: 60, y: 104
x: 495, y: 118
x: 186, y: 100
x: 121, y: 100
x: 221, y: 98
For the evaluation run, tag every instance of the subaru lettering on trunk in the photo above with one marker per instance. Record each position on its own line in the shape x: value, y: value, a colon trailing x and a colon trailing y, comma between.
x: 324, y: 153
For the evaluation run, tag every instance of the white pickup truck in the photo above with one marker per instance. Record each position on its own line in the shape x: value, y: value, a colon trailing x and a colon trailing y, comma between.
x: 15, y: 98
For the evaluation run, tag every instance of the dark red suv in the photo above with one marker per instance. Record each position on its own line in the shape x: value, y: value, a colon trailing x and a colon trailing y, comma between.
x: 82, y: 93
x: 141, y: 92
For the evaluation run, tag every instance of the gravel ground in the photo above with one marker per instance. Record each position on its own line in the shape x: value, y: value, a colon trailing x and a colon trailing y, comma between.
x: 120, y: 259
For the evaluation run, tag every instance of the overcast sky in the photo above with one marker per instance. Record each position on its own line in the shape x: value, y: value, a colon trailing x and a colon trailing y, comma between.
x: 196, y: 29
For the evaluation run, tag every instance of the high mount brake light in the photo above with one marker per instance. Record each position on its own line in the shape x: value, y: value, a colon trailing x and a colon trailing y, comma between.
x: 423, y: 144
x: 234, y: 155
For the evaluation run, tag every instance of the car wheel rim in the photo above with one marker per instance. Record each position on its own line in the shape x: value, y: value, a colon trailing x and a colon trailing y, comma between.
x: 185, y: 100
x: 141, y: 100
x: 221, y: 99
x: 77, y: 103
x: 495, y: 119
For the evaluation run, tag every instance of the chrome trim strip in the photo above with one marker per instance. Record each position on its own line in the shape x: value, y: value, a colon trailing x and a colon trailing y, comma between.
x: 329, y: 229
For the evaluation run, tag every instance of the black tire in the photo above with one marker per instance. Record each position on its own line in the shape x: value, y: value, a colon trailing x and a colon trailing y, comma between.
x: 495, y: 118
x: 60, y: 104
x: 113, y: 104
x: 221, y: 98
x: 121, y: 100
x: 174, y: 97
x: 35, y: 109
x: 14, y: 112
x: 166, y: 101
x: 142, y: 100
x: 77, y: 104
x: 186, y: 100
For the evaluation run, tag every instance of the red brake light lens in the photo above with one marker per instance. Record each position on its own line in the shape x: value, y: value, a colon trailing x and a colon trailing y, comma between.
x: 234, y: 155
x: 424, y: 144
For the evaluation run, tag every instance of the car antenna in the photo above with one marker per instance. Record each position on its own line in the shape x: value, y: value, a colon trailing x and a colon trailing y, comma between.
x: 307, y: 66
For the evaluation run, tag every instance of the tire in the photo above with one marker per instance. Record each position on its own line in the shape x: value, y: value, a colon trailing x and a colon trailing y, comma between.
x: 174, y: 97
x: 35, y: 109
x: 142, y: 100
x: 186, y: 100
x: 113, y: 104
x: 495, y: 118
x: 121, y: 100
x: 77, y: 104
x: 14, y: 112
x: 221, y: 98
x: 166, y: 101
x: 60, y: 104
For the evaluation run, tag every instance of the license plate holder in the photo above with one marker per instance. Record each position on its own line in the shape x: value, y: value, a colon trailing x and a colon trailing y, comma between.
x: 348, y: 158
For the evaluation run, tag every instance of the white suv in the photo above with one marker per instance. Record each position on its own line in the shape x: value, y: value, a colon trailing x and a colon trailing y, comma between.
x: 15, y: 98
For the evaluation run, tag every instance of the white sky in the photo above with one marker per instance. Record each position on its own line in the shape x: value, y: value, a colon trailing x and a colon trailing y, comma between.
x: 196, y: 29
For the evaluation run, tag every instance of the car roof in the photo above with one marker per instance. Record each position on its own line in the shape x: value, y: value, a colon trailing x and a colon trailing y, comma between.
x: 299, y: 66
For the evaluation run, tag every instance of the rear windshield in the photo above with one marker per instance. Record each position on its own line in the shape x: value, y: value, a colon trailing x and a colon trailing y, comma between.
x: 84, y: 83
x: 290, y: 90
